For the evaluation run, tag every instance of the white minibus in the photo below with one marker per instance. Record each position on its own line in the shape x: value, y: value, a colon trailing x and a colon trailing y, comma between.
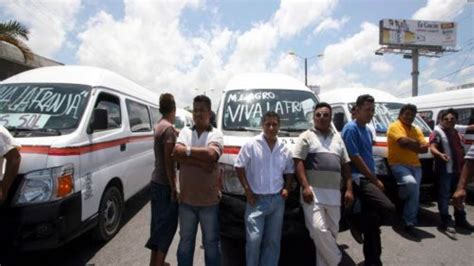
x: 246, y: 98
x: 87, y: 146
x: 387, y: 108
x: 462, y: 100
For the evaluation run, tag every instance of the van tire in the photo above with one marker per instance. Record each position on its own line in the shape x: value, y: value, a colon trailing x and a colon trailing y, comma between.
x: 110, y: 214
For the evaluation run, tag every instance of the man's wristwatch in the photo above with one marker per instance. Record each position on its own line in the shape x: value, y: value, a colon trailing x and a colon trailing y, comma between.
x: 188, y: 151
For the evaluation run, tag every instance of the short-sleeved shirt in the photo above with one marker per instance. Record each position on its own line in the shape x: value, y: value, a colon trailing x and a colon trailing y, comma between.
x: 358, y: 141
x: 470, y: 153
x: 198, y: 187
x: 164, y: 134
x: 323, y: 156
x: 397, y: 154
x: 264, y: 168
x: 7, y: 143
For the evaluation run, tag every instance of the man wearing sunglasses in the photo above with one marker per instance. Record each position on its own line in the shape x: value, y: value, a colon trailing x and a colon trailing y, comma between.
x: 446, y: 147
x: 320, y: 158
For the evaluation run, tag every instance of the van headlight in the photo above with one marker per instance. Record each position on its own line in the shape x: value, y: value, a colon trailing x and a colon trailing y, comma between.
x: 46, y: 185
x: 231, y: 183
x: 381, y: 167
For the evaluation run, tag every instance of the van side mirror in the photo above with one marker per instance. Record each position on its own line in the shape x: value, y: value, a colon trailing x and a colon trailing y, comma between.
x: 338, y: 121
x: 98, y: 121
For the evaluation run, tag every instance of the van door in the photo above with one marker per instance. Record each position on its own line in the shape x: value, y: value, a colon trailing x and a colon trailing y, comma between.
x: 101, y: 157
x: 140, y: 146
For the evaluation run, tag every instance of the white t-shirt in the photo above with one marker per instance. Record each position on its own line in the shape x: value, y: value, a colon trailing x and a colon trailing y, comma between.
x: 7, y: 143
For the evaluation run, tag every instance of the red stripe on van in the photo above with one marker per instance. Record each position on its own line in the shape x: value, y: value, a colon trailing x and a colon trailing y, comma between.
x: 379, y: 144
x: 468, y: 141
x: 231, y: 149
x: 68, y: 151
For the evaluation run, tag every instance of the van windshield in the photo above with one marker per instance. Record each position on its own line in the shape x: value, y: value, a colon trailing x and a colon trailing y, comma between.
x: 42, y: 109
x: 243, y: 109
x: 386, y: 113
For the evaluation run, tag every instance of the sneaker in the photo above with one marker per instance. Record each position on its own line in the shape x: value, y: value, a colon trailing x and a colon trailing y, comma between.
x: 448, y: 229
x: 357, y: 235
x: 464, y: 224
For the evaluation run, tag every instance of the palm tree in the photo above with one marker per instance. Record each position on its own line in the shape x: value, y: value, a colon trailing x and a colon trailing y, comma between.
x: 12, y: 32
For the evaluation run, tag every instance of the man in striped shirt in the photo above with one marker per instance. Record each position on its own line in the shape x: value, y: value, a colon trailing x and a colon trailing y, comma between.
x: 320, y: 158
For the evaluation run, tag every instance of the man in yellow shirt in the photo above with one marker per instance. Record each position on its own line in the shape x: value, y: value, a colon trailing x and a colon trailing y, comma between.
x: 405, y: 142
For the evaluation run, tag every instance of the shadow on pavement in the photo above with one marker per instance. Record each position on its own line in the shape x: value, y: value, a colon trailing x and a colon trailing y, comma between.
x: 77, y: 252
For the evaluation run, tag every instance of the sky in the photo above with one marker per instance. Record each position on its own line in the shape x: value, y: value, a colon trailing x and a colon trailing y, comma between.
x: 190, y: 47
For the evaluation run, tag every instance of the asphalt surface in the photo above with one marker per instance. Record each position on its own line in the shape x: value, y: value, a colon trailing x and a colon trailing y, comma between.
x: 127, y: 247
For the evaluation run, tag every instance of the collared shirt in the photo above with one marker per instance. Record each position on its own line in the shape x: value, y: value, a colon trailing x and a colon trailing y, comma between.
x: 448, y: 142
x: 323, y: 155
x: 198, y: 187
x: 397, y: 154
x: 358, y: 141
x: 264, y: 168
x: 7, y: 143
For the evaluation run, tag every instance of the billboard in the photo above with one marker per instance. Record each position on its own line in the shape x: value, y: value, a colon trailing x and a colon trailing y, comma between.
x: 404, y: 32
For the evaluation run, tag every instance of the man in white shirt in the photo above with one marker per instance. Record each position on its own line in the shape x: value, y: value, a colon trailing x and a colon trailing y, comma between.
x: 8, y: 151
x: 264, y: 167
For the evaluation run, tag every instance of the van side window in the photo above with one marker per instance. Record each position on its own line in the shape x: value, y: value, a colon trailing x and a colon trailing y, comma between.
x: 465, y: 116
x: 110, y: 103
x: 138, y: 116
x: 155, y: 115
x: 338, y: 118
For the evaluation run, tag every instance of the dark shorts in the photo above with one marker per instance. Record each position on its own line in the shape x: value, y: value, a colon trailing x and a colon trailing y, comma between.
x: 164, y: 218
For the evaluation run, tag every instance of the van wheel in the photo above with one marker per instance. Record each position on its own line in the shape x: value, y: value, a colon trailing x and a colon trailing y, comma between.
x: 110, y: 214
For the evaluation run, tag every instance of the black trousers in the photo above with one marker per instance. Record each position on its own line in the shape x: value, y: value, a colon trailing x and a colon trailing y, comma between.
x: 376, y: 210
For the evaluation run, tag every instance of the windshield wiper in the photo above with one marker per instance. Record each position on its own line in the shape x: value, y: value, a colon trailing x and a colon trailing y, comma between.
x: 292, y: 129
x: 252, y: 129
x: 17, y: 130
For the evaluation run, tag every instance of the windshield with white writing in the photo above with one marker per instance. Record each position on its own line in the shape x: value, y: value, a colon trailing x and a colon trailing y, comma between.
x: 42, y: 108
x: 386, y: 113
x: 243, y: 109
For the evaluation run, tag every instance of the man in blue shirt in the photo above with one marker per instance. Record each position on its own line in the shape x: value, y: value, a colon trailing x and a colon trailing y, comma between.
x: 376, y: 208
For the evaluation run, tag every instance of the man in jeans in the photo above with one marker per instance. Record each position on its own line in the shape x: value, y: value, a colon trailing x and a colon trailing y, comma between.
x: 376, y: 208
x: 261, y: 165
x: 405, y: 142
x: 320, y: 159
x: 446, y: 147
x: 197, y: 150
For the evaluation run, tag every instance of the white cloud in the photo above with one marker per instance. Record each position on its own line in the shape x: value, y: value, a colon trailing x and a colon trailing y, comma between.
x: 330, y: 24
x: 445, y: 10
x: 48, y: 21
x: 438, y: 85
x: 357, y: 49
x: 381, y: 67
x: 295, y: 15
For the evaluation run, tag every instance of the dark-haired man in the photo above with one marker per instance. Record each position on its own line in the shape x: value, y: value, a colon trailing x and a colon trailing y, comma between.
x: 376, y: 208
x: 405, y: 142
x: 198, y: 150
x: 320, y: 159
x: 264, y: 165
x: 446, y: 147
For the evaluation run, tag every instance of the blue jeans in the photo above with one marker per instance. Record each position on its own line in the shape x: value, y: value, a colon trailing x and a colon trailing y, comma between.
x: 447, y: 184
x: 263, y: 224
x: 408, y: 178
x: 189, y: 218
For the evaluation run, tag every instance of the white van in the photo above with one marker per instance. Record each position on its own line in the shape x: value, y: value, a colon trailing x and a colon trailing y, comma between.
x: 183, y: 119
x: 387, y: 108
x: 462, y: 100
x: 246, y: 98
x: 87, y: 146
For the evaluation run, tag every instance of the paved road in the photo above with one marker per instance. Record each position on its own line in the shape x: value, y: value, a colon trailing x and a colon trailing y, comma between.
x: 127, y: 248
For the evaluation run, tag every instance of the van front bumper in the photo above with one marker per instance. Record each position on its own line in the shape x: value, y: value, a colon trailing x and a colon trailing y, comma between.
x: 40, y: 226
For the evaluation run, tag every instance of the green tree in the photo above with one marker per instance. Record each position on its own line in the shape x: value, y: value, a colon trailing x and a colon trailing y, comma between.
x: 13, y: 32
